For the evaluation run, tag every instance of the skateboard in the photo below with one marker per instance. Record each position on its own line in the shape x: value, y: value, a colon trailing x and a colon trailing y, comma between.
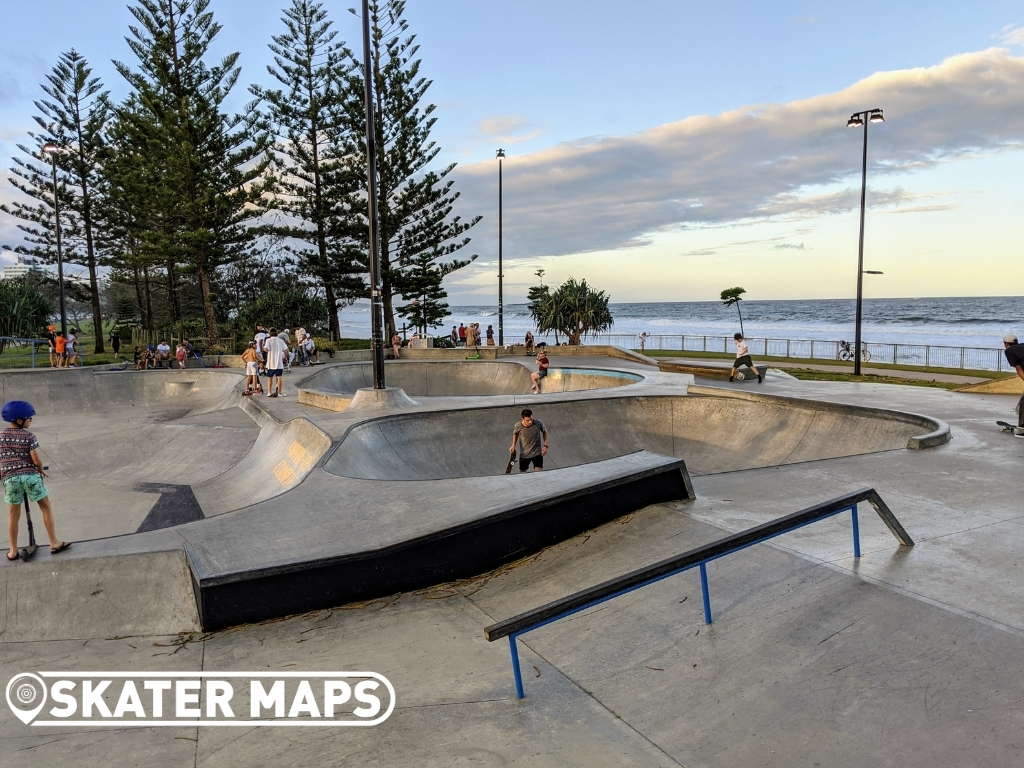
x: 511, y: 462
x: 747, y: 374
x: 1005, y: 426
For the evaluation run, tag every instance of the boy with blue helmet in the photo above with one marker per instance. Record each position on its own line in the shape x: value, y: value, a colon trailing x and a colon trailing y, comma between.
x: 22, y: 473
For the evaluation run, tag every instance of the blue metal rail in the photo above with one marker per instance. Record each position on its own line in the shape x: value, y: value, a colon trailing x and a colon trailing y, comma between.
x: 695, y: 558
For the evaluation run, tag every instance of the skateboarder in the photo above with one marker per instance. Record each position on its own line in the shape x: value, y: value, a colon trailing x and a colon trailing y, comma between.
x: 22, y: 472
x: 533, y: 439
x: 1015, y: 357
x: 742, y: 358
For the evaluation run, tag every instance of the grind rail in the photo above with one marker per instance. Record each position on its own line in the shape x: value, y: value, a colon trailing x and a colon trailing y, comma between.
x: 695, y: 558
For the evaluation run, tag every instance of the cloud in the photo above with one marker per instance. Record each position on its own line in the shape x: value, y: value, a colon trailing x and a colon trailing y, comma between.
x: 765, y: 161
x: 510, y: 129
x: 787, y: 246
x: 1011, y: 34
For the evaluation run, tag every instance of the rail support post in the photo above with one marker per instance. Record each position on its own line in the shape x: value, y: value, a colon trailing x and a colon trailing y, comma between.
x: 704, y: 592
x: 516, y: 672
x: 856, y: 531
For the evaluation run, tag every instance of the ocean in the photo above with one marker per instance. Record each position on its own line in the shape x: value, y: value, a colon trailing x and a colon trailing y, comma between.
x: 955, y: 322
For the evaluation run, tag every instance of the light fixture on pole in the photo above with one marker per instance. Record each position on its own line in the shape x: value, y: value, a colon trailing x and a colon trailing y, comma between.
x: 52, y: 149
x: 501, y: 308
x: 376, y: 301
x: 858, y: 119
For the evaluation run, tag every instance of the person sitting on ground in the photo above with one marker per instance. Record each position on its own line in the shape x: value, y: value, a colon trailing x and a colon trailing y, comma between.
x: 532, y: 437
x: 180, y: 354
x: 396, y: 344
x: 312, y: 353
x: 530, y: 349
x: 140, y: 359
x: 252, y: 370
x: 22, y: 473
x: 1015, y: 357
x: 742, y: 358
x: 276, y: 351
x: 163, y: 354
x: 542, y: 371
x: 150, y: 357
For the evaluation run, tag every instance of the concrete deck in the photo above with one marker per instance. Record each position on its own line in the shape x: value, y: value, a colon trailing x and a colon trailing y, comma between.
x: 907, y: 658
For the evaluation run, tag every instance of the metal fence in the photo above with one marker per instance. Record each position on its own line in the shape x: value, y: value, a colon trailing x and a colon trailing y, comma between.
x: 926, y: 356
x: 24, y: 353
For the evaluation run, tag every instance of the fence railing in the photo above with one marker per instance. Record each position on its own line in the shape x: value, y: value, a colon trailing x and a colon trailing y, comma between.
x: 695, y: 558
x: 923, y: 355
x: 26, y: 353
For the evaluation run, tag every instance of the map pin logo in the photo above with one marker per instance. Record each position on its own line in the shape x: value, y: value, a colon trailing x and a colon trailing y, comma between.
x: 26, y: 696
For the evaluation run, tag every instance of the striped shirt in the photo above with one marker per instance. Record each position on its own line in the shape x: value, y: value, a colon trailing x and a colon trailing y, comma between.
x: 16, y: 446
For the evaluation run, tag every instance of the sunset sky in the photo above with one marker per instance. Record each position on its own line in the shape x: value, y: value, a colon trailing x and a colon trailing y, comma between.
x: 666, y: 150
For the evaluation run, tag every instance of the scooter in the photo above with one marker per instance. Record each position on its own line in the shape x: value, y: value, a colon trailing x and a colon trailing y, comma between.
x: 27, y: 553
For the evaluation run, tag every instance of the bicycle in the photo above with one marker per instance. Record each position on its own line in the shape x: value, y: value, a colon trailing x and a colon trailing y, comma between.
x: 846, y: 352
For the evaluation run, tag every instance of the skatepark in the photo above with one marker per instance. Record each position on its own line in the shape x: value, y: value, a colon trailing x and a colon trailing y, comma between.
x: 385, y: 531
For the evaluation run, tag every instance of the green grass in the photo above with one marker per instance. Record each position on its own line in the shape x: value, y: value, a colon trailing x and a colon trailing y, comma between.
x: 837, y: 363
x: 805, y: 374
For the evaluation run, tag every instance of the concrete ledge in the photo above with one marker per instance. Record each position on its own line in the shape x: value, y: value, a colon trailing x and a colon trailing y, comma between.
x: 938, y: 433
x: 710, y: 370
x: 389, y: 398
x: 53, y: 599
x: 500, y: 535
x: 321, y: 398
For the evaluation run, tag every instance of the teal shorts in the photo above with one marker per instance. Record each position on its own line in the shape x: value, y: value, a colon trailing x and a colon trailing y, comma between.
x: 16, y: 487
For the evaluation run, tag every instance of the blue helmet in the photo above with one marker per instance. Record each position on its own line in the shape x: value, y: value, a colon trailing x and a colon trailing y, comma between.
x: 18, y: 411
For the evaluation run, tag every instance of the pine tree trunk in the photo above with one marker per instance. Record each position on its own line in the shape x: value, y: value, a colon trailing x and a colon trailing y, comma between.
x: 173, y: 305
x: 208, y: 313
x: 138, y: 292
x: 149, y: 298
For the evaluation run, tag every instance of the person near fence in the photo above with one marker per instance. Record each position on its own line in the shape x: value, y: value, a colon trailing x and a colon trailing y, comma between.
x: 70, y: 350
x: 51, y: 341
x: 530, y: 346
x: 115, y: 340
x: 276, y: 355
x: 532, y: 436
x: 643, y: 341
x: 490, y: 335
x: 1015, y: 357
x: 60, y: 345
x: 21, y: 470
x: 462, y: 335
x: 742, y: 358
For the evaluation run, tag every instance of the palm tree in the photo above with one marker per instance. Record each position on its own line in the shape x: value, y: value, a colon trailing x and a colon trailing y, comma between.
x: 574, y: 309
x: 732, y: 296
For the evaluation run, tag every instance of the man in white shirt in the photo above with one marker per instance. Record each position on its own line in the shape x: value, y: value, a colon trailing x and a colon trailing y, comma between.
x: 163, y: 354
x: 742, y: 358
x: 276, y: 356
x: 260, y: 338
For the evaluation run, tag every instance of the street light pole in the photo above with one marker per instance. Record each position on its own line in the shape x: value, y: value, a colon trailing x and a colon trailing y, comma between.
x: 51, y: 149
x: 501, y: 308
x: 376, y: 300
x: 856, y: 120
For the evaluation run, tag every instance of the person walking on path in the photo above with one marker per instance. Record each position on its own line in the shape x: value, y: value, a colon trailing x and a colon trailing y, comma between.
x: 490, y: 336
x: 1015, y: 357
x: 115, y: 341
x: 276, y: 352
x: 532, y: 437
x: 396, y: 345
x: 22, y: 472
x: 252, y: 370
x: 742, y: 358
x: 542, y: 371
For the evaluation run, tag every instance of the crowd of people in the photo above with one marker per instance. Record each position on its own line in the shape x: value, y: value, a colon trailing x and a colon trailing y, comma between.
x: 63, y: 347
x: 271, y: 353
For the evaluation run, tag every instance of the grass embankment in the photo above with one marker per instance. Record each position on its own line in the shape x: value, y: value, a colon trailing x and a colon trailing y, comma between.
x: 795, y: 361
x: 806, y: 374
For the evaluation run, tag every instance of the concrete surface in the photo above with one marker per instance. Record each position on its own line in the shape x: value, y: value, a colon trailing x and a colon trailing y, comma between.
x: 1011, y: 385
x: 906, y: 659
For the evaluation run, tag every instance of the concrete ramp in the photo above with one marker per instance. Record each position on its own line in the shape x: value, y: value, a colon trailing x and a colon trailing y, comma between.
x: 712, y: 434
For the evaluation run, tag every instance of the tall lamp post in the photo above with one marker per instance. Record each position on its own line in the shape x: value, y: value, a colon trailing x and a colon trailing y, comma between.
x: 858, y: 119
x: 501, y: 308
x: 376, y: 300
x: 51, y: 149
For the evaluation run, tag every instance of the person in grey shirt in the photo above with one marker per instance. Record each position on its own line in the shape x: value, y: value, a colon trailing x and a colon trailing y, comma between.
x: 532, y: 436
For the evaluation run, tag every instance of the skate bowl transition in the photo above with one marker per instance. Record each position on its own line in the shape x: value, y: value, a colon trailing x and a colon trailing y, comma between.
x: 468, y: 378
x: 712, y: 433
x: 193, y: 507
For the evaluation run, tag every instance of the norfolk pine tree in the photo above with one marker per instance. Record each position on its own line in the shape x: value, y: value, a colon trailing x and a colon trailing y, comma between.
x: 417, y: 229
x: 212, y: 163
x: 74, y: 117
x: 316, y: 185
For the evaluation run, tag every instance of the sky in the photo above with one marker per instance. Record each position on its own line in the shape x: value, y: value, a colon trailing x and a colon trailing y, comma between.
x: 667, y: 150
